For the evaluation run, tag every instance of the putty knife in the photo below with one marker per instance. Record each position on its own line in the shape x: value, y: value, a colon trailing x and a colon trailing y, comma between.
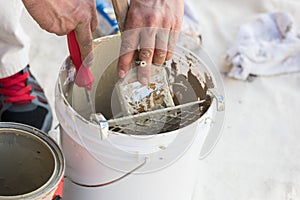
x: 84, y: 78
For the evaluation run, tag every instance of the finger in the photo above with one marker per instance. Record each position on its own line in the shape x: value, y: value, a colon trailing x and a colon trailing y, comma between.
x: 94, y: 21
x: 130, y: 40
x: 85, y: 42
x: 173, y: 38
x: 147, y: 43
x: 161, y: 45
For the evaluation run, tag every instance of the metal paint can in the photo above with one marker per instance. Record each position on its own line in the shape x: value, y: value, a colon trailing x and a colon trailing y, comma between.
x: 32, y: 164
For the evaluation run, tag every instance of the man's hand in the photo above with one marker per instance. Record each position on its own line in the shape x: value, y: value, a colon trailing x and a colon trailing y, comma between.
x: 153, y: 26
x: 63, y: 16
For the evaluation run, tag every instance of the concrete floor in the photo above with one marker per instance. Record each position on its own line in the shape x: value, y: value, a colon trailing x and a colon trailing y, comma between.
x: 257, y: 157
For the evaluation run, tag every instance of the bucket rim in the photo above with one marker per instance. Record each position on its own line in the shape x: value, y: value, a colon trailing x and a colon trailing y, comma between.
x: 98, y: 41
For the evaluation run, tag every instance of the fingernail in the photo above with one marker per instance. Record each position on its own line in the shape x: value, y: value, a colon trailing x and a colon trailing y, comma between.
x: 88, y: 61
x: 162, y: 55
x: 144, y: 80
x: 122, y: 73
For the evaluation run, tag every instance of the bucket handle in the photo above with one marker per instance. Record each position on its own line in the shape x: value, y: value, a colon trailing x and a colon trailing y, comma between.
x: 110, y: 182
x: 216, y: 128
x: 55, y: 134
x: 220, y: 100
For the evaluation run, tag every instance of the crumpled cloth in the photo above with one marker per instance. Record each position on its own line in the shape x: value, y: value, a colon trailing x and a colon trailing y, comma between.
x: 268, y: 45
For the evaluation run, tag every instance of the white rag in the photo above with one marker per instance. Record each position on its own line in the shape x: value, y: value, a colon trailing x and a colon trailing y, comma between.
x: 269, y: 45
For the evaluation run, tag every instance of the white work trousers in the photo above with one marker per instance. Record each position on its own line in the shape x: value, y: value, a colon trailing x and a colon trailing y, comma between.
x: 14, y: 43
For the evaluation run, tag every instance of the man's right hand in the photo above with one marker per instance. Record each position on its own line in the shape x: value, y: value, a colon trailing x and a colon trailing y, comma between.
x: 63, y: 16
x: 153, y: 26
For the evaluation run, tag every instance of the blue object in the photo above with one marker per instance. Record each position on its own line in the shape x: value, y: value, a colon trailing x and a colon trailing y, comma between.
x: 107, y: 20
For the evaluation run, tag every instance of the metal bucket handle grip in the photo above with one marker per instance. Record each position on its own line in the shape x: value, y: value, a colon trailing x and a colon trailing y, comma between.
x: 214, y: 133
x: 112, y: 181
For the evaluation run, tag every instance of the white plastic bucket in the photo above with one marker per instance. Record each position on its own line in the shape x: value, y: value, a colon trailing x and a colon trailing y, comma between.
x: 32, y: 164
x: 124, y: 166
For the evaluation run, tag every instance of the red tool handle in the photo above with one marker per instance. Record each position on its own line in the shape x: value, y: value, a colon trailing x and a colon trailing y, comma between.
x: 84, y: 78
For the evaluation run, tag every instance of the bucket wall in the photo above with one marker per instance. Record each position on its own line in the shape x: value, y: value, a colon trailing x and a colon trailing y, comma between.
x: 91, y: 179
x: 122, y: 166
